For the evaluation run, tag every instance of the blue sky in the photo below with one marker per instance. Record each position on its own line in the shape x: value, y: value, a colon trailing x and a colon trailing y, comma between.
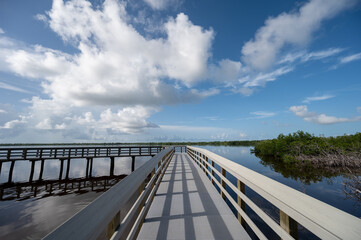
x: 178, y: 70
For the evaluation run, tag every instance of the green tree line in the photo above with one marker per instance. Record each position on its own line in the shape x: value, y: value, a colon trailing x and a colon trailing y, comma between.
x: 287, y: 147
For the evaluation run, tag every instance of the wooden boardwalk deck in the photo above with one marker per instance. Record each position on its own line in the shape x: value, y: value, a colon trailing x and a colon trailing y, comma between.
x: 187, y: 206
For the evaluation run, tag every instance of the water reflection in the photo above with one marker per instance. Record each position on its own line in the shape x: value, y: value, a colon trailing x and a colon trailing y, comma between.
x: 77, y: 168
x: 30, y: 210
x: 332, y: 186
x: 305, y: 173
x: 335, y: 186
x: 46, y: 188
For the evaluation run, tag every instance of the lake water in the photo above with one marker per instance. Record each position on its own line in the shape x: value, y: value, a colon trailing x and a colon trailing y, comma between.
x: 25, y: 215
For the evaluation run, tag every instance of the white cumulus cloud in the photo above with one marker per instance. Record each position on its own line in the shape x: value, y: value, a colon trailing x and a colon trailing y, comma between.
x: 302, y: 111
x: 117, y: 75
x: 295, y: 28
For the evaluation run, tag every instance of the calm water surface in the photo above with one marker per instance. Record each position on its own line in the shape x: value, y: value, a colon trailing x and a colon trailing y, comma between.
x: 324, y: 186
x: 30, y: 217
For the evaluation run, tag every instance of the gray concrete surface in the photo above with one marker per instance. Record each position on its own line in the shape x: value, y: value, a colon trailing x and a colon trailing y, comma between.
x: 187, y: 206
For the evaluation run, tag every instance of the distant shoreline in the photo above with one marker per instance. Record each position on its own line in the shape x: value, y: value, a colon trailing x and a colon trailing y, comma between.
x: 212, y: 143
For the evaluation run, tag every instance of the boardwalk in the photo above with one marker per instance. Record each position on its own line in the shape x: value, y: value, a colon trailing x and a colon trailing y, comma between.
x: 187, y: 206
x: 171, y: 197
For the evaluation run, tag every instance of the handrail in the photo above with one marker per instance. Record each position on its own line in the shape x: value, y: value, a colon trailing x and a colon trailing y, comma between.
x: 101, y: 218
x: 323, y: 220
x: 39, y: 153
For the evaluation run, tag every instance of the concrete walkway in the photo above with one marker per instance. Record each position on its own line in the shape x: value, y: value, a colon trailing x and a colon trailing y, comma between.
x: 187, y: 206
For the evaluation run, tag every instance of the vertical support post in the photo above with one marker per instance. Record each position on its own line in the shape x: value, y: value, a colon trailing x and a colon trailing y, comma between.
x: 32, y: 171
x: 11, y: 171
x: 8, y: 155
x: 91, y: 168
x: 87, y: 168
x: 41, y: 169
x: 67, y: 169
x: 242, y: 188
x: 18, y: 191
x: 111, y: 166
x: 133, y: 163
x: 51, y: 188
x: 288, y: 224
x: 61, y: 169
x: 212, y: 171
x: 1, y: 164
x: 223, y: 172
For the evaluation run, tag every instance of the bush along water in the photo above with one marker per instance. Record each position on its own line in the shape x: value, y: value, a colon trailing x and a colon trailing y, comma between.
x: 303, y: 147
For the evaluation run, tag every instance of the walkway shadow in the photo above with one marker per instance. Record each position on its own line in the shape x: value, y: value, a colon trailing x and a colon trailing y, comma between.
x: 185, y: 208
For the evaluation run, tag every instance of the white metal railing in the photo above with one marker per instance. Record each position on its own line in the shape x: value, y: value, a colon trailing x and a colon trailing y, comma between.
x: 101, y: 219
x: 321, y: 219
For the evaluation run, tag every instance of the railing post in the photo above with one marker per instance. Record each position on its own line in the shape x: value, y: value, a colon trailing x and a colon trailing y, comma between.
x: 288, y: 224
x: 205, y: 165
x: 212, y: 172
x: 114, y: 223
x: 140, y: 190
x: 242, y: 188
x: 223, y: 172
x: 151, y: 175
